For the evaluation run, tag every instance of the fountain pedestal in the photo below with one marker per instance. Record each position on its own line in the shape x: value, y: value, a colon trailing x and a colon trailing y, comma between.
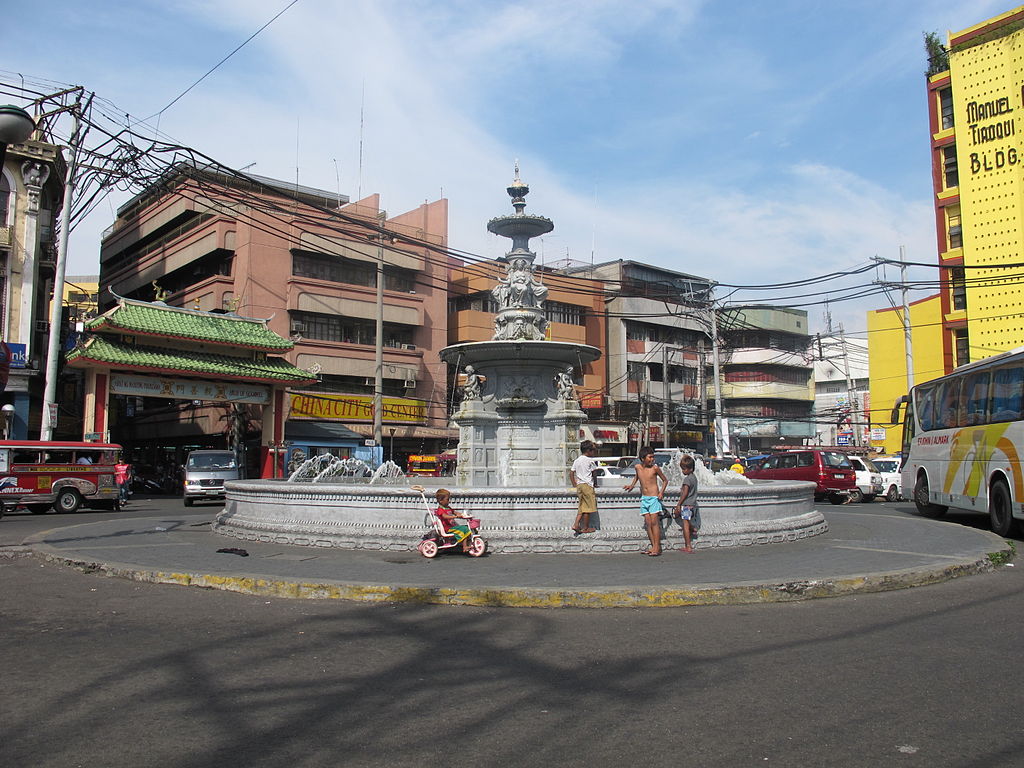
x: 521, y: 429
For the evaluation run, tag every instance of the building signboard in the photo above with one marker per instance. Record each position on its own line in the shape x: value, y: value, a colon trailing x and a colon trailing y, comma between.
x: 19, y: 355
x: 356, y: 408
x: 189, y: 389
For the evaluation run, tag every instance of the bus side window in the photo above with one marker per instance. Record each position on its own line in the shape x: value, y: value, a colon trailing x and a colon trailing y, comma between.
x: 1006, y: 394
x: 946, y: 417
x: 924, y: 402
x: 909, y: 428
x: 975, y: 399
x: 26, y: 457
x: 58, y: 457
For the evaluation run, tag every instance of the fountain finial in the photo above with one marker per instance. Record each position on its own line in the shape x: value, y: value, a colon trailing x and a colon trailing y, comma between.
x: 518, y: 191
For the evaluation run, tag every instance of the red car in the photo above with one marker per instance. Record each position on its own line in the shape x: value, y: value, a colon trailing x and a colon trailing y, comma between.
x: 830, y: 471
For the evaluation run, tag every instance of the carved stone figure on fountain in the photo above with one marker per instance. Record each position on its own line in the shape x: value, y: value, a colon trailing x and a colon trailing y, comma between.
x: 565, y: 385
x: 471, y: 390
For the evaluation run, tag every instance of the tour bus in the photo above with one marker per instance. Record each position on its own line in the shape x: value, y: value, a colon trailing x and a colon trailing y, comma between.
x: 963, y: 435
x: 65, y: 475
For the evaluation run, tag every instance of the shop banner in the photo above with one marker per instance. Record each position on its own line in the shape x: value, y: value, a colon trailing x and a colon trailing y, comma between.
x: 356, y: 408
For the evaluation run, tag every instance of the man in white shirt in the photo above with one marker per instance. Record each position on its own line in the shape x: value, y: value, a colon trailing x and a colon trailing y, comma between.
x: 582, y: 477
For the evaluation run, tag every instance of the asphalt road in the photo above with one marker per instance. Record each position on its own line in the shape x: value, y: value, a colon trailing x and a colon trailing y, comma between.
x: 107, y: 672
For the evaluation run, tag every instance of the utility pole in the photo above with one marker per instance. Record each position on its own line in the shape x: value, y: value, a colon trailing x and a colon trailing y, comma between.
x: 908, y: 343
x: 378, y: 375
x: 57, y: 302
x: 720, y: 438
x: 851, y: 393
x: 667, y: 407
x: 702, y: 382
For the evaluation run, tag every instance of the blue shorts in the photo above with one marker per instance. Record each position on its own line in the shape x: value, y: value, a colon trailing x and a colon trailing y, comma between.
x: 650, y: 505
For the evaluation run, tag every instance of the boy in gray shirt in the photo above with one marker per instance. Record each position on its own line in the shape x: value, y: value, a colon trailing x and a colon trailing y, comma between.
x: 686, y: 510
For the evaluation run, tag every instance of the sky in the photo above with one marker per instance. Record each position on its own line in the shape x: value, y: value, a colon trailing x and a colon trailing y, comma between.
x: 747, y: 142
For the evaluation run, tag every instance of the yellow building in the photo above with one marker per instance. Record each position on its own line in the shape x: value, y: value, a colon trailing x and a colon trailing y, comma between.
x: 977, y: 110
x: 80, y: 297
x: 976, y: 132
x: 887, y: 353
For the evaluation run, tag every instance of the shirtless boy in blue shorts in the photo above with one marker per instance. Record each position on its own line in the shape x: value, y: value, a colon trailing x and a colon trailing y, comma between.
x: 652, y: 487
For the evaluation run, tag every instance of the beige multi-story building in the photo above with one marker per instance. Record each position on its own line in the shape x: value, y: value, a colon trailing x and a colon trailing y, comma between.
x: 31, y: 190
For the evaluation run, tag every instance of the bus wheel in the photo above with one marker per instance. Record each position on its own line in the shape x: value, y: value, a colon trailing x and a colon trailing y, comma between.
x: 999, y: 510
x: 68, y: 501
x: 924, y: 506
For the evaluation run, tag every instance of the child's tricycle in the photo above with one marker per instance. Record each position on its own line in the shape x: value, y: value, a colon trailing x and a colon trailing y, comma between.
x: 437, y: 538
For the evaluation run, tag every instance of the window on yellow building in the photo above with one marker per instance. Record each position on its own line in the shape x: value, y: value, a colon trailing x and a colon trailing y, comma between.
x: 958, y: 284
x: 962, y: 347
x: 954, y: 232
x: 950, y: 174
x: 945, y: 108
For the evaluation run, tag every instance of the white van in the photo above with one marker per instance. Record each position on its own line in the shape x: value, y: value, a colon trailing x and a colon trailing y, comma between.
x: 869, y: 480
x: 889, y: 468
x: 205, y: 473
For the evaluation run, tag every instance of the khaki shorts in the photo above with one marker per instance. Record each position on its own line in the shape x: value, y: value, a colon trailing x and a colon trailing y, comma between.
x: 588, y: 499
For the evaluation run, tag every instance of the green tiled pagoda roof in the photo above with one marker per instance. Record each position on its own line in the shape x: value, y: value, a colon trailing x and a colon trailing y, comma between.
x: 148, y: 319
x: 106, y: 351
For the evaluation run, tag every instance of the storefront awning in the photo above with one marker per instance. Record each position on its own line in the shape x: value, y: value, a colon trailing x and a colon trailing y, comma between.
x: 305, y: 431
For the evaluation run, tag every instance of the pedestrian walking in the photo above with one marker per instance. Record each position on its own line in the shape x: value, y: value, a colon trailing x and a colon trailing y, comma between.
x: 122, y: 470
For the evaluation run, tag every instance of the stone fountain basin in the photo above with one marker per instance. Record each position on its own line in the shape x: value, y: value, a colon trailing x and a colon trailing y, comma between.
x: 514, y: 519
x: 545, y: 353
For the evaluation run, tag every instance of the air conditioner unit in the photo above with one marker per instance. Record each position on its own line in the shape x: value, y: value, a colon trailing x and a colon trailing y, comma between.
x: 410, y: 383
x: 369, y: 381
x: 42, y: 326
x: 410, y: 347
x: 298, y: 326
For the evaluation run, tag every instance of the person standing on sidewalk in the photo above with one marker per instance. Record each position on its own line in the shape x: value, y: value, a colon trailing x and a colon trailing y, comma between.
x: 582, y: 477
x: 686, y: 511
x: 652, y: 488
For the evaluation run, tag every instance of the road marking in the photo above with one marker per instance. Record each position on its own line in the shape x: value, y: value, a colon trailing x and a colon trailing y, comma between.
x: 132, y: 546
x: 901, y: 552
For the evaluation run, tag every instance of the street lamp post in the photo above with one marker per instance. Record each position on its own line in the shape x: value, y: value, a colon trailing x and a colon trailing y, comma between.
x: 16, y: 125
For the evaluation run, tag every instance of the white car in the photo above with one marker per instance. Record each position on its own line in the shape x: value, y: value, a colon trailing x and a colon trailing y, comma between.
x: 609, y: 477
x: 869, y: 480
x: 889, y: 468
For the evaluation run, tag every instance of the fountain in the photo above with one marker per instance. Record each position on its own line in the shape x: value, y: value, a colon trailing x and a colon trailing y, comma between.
x: 519, y: 423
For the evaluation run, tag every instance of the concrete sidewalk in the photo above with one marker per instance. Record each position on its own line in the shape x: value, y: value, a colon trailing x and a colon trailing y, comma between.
x: 864, y: 551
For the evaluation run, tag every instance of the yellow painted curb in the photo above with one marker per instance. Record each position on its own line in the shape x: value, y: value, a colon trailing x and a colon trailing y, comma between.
x: 516, y: 597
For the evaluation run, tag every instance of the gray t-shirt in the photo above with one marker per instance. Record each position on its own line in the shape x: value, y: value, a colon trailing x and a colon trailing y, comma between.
x: 690, y: 481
